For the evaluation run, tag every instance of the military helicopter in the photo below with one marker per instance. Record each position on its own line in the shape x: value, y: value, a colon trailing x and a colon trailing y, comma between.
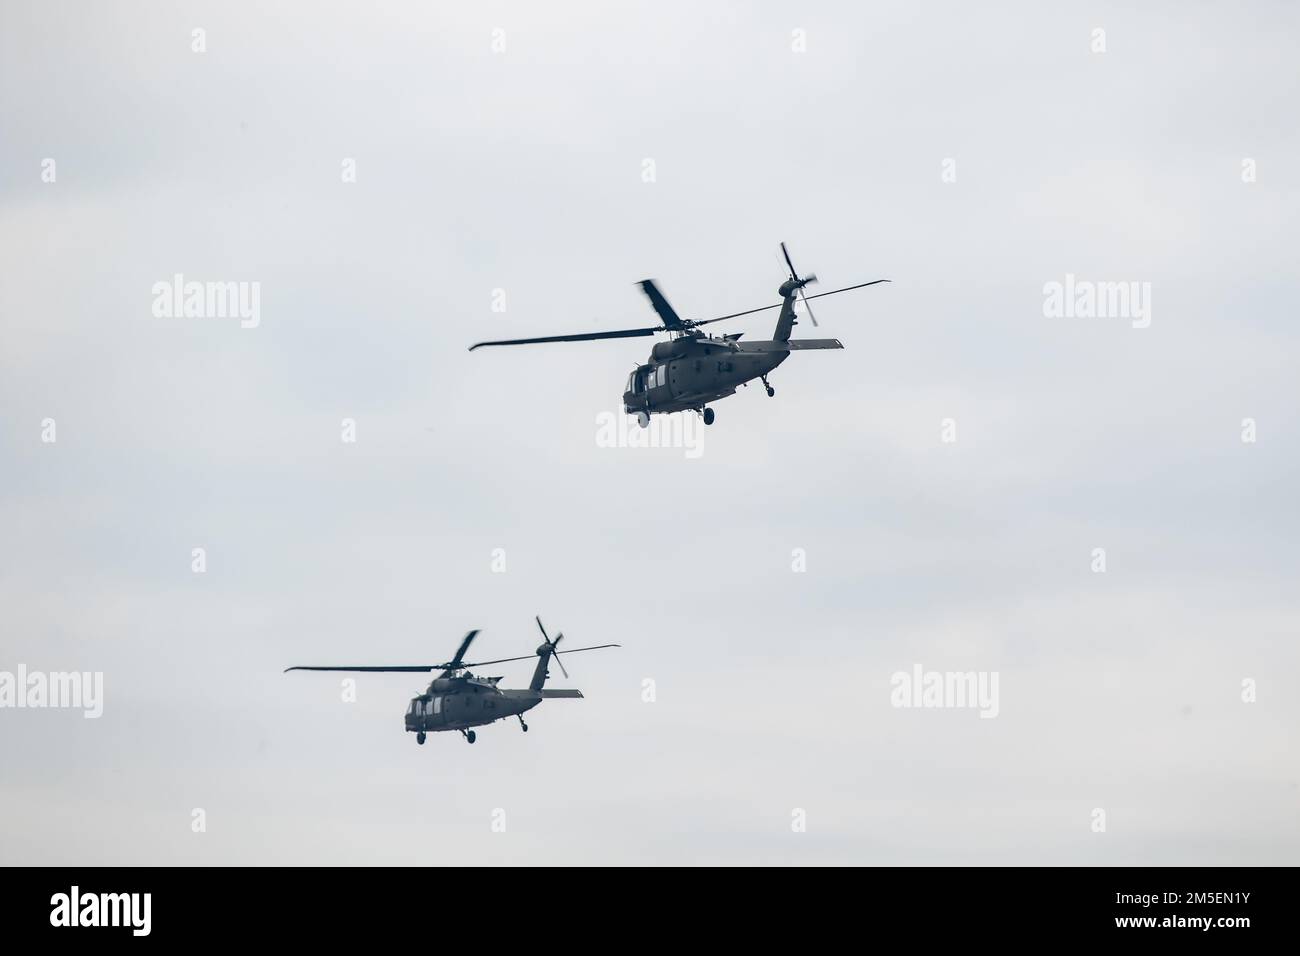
x: 457, y: 700
x: 692, y: 369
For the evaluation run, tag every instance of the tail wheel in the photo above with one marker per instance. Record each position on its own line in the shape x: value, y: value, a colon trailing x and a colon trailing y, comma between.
x: 471, y: 736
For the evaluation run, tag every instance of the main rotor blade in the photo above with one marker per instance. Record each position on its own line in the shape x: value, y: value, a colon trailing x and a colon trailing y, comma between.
x: 666, y: 312
x: 764, y: 308
x: 421, y: 668
x: 735, y: 315
x: 500, y: 660
x: 464, y: 646
x: 398, y: 668
x: 580, y: 337
x: 454, y: 664
x: 506, y: 660
x: 849, y: 288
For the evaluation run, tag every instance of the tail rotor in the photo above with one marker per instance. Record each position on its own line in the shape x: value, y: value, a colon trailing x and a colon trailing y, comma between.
x: 796, y: 284
x: 552, y: 645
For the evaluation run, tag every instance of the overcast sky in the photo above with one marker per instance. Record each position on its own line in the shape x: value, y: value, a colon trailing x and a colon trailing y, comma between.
x: 970, y: 155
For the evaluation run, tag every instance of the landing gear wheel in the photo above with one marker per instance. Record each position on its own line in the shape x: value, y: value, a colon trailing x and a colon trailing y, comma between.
x: 708, y: 416
x: 471, y: 736
x: 419, y: 738
x: 770, y: 391
x: 525, y: 726
x: 643, y: 419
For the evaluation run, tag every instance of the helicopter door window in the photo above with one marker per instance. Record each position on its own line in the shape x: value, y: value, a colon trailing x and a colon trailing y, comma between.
x: 437, y: 705
x: 661, y: 375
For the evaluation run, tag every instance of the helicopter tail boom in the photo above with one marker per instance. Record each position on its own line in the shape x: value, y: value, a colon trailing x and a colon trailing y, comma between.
x: 785, y: 321
x: 539, y: 675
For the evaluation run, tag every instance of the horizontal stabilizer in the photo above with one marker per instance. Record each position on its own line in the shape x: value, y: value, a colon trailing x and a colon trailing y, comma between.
x: 795, y: 344
x: 564, y: 692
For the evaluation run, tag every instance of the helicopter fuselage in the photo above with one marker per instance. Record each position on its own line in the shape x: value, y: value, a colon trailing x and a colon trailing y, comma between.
x: 688, y: 372
x: 461, y: 703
